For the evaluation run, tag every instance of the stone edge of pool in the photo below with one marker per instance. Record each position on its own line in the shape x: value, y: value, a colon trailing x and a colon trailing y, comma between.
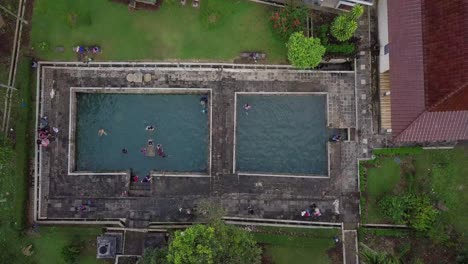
x: 127, y: 90
x: 273, y: 174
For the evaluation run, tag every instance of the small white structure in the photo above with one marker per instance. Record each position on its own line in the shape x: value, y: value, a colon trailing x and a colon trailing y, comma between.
x: 384, y: 58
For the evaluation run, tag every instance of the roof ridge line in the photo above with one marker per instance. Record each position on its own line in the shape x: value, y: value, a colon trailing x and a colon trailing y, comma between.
x: 445, y: 98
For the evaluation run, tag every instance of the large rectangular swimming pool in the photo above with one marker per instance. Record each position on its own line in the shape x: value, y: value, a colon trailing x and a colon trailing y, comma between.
x: 181, y: 127
x: 282, y: 134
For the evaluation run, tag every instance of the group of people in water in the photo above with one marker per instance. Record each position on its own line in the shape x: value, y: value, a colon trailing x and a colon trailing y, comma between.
x: 45, y: 134
x: 150, y: 150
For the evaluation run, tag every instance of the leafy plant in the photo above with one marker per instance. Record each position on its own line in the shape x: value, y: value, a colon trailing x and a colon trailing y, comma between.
x: 304, y: 52
x: 369, y: 256
x: 154, y: 256
x: 215, y: 243
x: 343, y: 28
x: 292, y: 18
x: 343, y: 48
x: 71, y: 251
x: 415, y: 211
x: 344, y: 25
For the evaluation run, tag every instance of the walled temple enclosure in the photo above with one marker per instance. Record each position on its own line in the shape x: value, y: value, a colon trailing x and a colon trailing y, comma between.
x: 327, y: 98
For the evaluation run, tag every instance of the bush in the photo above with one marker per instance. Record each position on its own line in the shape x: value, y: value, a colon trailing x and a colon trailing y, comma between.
x: 304, y: 52
x: 154, y: 256
x: 343, y: 48
x: 344, y: 26
x: 292, y: 18
x: 412, y: 210
x: 71, y: 251
x: 211, y: 244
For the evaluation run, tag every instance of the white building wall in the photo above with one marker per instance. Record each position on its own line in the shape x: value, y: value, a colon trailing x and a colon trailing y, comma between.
x: 384, y: 60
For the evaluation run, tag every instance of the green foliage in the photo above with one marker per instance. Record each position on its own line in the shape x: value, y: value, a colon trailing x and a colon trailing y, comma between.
x: 154, y: 256
x: 304, y: 52
x: 398, y: 151
x: 343, y: 48
x: 211, y: 244
x: 369, y: 256
x: 71, y: 251
x: 356, y: 12
x: 415, y: 211
x: 344, y: 26
x: 292, y: 18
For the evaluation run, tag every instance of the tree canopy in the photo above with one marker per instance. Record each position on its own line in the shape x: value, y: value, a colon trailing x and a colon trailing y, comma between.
x: 209, y: 244
x: 344, y: 25
x: 304, y: 52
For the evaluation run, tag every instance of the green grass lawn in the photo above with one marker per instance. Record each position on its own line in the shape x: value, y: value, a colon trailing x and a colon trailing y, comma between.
x: 293, y: 245
x: 49, y: 242
x: 381, y: 180
x: 441, y: 174
x: 14, y: 171
x: 218, y: 30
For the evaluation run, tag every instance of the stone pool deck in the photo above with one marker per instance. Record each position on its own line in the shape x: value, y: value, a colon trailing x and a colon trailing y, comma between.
x: 58, y: 193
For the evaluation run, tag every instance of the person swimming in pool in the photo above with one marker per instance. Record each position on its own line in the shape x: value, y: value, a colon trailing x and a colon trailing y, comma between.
x: 247, y: 107
x: 150, y: 142
x: 204, y: 100
x: 160, y: 151
x: 150, y: 128
x: 102, y: 132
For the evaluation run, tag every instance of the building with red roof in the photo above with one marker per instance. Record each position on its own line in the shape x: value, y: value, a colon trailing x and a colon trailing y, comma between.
x: 424, y: 69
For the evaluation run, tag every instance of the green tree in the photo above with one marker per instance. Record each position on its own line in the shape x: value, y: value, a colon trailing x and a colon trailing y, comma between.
x: 212, y: 244
x: 415, y: 211
x: 344, y: 25
x: 304, y: 52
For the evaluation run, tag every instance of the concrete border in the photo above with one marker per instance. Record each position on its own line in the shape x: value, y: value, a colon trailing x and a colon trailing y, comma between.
x: 284, y: 175
x: 131, y: 90
x: 185, y: 66
x: 355, y: 243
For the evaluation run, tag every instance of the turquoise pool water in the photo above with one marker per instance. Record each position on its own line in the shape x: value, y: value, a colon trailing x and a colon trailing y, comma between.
x: 282, y: 134
x: 181, y: 127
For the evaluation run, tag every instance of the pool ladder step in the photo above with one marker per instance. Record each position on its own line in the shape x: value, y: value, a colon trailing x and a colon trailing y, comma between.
x: 140, y: 189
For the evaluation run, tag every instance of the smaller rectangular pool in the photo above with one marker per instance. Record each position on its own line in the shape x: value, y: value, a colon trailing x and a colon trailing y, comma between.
x: 284, y: 134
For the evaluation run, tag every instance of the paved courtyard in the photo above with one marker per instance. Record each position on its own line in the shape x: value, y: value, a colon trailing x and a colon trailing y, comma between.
x: 60, y: 191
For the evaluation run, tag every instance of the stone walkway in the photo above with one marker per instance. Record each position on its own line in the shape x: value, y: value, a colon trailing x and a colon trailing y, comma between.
x: 268, y: 197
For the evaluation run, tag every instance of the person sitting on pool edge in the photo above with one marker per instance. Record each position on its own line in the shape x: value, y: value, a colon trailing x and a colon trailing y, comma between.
x: 160, y: 151
x: 150, y: 128
x: 147, y: 178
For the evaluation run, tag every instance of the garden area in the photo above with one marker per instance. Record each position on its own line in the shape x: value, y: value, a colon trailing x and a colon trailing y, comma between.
x: 216, y: 31
x: 298, y: 245
x: 422, y: 189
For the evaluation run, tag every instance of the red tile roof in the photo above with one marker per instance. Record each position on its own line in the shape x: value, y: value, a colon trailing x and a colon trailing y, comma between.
x: 437, y: 126
x: 445, y: 35
x: 406, y: 62
x: 429, y: 69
